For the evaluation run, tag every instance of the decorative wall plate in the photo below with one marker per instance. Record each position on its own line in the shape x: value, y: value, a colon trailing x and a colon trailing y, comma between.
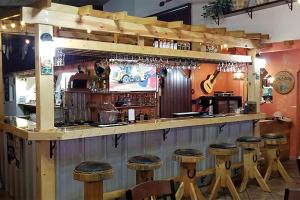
x: 284, y: 82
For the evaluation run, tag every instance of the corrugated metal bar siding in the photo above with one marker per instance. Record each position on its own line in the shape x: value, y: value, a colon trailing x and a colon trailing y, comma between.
x: 71, y: 153
x: 19, y: 181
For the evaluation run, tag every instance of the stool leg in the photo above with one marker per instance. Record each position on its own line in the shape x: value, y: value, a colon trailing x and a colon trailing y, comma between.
x: 283, y: 172
x: 93, y: 190
x: 261, y: 181
x: 245, y: 180
x: 188, y: 176
x: 215, y: 189
x: 251, y: 171
x: 223, y: 171
x: 274, y: 164
x: 231, y: 188
x: 144, y: 176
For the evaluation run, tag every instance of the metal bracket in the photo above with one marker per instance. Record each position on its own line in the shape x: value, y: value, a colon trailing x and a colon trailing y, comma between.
x: 165, y: 133
x: 254, y: 123
x: 221, y: 127
x: 52, y: 147
x: 117, y: 138
x: 250, y: 13
x: 217, y: 20
x: 290, y: 4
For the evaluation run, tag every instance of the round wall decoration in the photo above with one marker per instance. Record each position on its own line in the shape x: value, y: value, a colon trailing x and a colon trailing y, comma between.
x: 284, y: 82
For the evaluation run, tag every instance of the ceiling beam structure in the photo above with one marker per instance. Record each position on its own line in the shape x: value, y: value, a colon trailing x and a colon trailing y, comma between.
x: 126, y: 27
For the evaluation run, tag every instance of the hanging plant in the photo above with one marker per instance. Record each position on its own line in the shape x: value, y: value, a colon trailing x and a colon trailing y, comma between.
x: 216, y: 9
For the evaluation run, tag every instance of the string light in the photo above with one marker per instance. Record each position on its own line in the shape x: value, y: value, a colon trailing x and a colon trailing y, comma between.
x: 22, y: 23
x: 88, y: 31
x: 3, y: 26
x: 27, y: 41
x: 13, y: 25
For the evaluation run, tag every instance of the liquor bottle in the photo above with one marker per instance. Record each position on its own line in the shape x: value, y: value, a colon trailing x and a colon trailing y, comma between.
x: 160, y: 43
x: 175, y: 46
x: 156, y: 43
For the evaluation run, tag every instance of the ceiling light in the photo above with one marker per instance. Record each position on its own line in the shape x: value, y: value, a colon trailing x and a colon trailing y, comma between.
x: 3, y: 26
x: 27, y: 41
x: 13, y: 25
x: 22, y: 23
x: 88, y: 31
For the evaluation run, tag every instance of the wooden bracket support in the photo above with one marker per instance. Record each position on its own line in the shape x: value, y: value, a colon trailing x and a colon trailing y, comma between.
x: 165, y: 133
x: 52, y: 147
x: 117, y: 138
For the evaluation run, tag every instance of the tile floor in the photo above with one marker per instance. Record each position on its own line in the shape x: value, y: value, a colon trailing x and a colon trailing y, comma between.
x: 253, y: 192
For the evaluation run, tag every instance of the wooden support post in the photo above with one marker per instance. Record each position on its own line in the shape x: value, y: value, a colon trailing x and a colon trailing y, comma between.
x: 1, y: 84
x: 253, y: 86
x: 45, y: 112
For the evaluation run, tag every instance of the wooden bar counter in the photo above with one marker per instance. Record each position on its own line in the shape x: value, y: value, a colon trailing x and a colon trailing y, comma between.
x: 70, y: 146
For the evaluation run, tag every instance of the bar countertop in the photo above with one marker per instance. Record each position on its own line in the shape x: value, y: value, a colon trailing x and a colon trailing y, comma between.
x: 27, y: 129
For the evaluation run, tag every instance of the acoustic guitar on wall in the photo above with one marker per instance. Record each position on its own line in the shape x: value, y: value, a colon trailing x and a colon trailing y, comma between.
x: 208, y: 84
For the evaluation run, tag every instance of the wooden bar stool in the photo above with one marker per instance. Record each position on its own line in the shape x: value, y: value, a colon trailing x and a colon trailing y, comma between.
x: 93, y: 174
x: 188, y: 159
x: 223, y: 152
x: 250, y: 144
x: 272, y: 142
x: 144, y: 165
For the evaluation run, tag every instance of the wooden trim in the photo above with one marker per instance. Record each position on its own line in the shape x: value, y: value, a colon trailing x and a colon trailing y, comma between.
x: 74, y: 21
x: 44, y: 84
x: 45, y: 166
x: 144, y: 50
x: 88, y: 131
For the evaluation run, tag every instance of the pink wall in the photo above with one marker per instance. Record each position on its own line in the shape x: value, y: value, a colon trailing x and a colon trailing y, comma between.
x: 286, y: 60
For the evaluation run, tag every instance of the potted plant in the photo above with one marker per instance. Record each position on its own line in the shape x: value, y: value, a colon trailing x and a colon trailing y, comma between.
x: 216, y: 9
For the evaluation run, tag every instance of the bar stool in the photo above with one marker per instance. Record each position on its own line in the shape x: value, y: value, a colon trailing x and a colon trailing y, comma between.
x: 223, y: 152
x: 250, y: 144
x: 273, y: 141
x: 93, y: 174
x: 144, y: 165
x: 188, y: 159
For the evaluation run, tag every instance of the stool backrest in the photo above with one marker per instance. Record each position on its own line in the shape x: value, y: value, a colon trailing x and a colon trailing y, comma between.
x: 164, y: 189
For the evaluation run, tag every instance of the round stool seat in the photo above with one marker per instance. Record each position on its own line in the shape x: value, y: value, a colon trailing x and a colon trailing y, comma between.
x: 92, y: 171
x: 144, y: 162
x: 188, y: 155
x: 250, y: 142
x: 274, y: 139
x: 223, y: 149
x: 249, y: 139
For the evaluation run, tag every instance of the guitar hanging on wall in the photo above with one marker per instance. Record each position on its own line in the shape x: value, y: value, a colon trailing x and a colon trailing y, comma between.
x: 208, y: 84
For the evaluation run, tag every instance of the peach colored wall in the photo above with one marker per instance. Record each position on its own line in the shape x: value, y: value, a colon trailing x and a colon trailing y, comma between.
x: 287, y: 60
x: 224, y: 82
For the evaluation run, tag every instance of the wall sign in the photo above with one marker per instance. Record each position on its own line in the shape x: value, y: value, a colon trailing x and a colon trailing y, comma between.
x: 284, y: 82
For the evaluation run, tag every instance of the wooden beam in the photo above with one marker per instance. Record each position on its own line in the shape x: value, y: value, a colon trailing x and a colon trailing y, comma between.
x: 133, y: 49
x: 31, y: 15
x: 220, y: 31
x: 44, y: 115
x: 9, y: 13
x: 143, y: 21
x: 240, y: 34
x: 175, y: 24
x: 198, y: 28
x: 42, y: 4
x: 89, y: 11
